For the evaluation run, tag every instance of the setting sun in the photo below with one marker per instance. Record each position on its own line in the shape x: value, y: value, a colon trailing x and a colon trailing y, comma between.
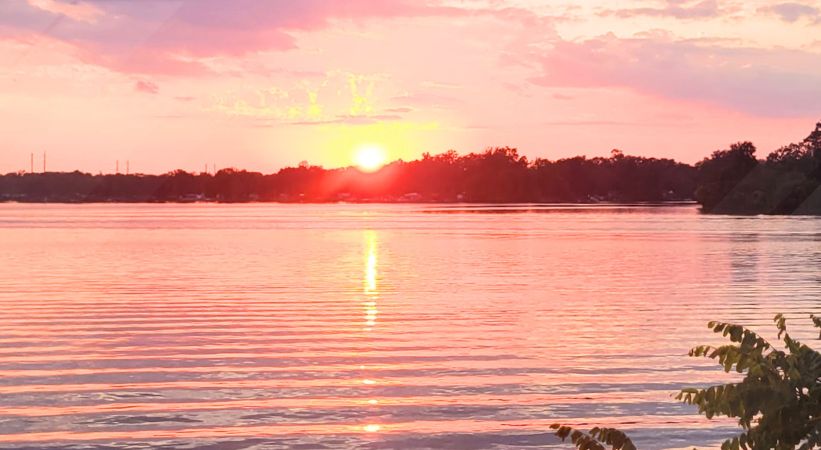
x: 370, y: 158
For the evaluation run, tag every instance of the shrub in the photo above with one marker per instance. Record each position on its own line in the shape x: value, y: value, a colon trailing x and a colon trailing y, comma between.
x: 777, y: 403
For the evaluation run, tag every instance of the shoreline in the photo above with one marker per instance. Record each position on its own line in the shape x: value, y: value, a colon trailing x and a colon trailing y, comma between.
x: 364, y: 202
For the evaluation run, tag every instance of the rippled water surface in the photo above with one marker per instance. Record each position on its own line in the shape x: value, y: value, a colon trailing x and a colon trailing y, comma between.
x: 376, y: 326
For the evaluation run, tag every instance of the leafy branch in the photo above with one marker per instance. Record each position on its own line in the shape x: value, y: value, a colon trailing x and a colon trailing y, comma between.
x: 777, y: 403
x: 597, y: 439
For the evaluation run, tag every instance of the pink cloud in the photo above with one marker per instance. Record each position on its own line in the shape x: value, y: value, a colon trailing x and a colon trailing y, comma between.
x: 792, y: 12
x: 172, y: 38
x: 675, y: 8
x: 146, y: 87
x: 765, y: 82
x: 425, y: 99
x: 348, y: 120
x: 79, y: 11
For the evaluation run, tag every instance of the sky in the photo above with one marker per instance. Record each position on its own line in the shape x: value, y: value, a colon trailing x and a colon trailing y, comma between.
x: 262, y: 84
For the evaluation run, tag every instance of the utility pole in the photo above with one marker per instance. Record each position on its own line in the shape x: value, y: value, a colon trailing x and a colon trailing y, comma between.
x: 32, y: 163
x: 44, y: 162
x: 127, y: 166
x: 117, y: 167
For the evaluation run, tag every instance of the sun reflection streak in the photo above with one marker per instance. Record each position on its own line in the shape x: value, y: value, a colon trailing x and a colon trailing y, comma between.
x: 371, y: 295
x: 370, y: 263
x: 372, y: 428
x: 369, y: 285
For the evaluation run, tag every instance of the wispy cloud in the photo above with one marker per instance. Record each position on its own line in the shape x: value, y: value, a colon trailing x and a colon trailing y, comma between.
x: 349, y: 120
x: 78, y: 11
x: 792, y: 12
x: 340, y: 97
x: 146, y: 87
x: 426, y: 99
x: 679, y: 9
x: 765, y: 82
x: 265, y: 77
x: 174, y: 37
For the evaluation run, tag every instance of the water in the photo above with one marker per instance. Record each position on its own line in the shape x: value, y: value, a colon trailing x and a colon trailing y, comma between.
x: 377, y: 326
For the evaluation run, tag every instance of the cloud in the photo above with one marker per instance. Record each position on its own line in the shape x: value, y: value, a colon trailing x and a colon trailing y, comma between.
x: 425, y: 100
x: 398, y: 110
x: 763, y: 82
x: 792, y: 12
x: 585, y: 123
x: 340, y: 98
x: 344, y: 119
x: 176, y: 38
x: 679, y: 9
x: 146, y: 87
x: 78, y: 11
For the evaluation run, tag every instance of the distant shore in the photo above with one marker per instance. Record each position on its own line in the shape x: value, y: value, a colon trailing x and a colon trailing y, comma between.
x: 499, y: 175
x: 730, y: 181
x: 360, y: 202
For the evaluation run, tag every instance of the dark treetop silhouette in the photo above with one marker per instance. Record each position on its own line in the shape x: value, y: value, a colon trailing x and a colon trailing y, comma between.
x: 729, y: 181
x: 734, y: 181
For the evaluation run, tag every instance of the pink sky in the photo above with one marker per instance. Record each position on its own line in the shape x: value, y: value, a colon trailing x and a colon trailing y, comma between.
x: 261, y: 84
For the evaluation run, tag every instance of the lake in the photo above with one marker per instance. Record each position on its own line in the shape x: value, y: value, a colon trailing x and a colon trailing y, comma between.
x: 268, y: 326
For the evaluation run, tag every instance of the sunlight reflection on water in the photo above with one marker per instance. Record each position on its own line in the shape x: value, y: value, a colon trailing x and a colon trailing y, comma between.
x: 377, y: 326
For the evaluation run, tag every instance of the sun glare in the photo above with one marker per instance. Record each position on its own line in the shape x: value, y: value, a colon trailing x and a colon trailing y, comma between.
x: 370, y: 158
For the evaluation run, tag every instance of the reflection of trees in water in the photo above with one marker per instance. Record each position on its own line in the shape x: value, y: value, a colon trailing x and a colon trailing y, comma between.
x: 744, y: 255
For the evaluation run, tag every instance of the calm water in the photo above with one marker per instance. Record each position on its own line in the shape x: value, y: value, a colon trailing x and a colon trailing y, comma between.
x: 373, y: 326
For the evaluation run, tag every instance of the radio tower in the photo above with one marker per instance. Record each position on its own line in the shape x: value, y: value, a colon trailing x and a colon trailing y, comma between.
x: 127, y: 166
x: 44, y: 162
x: 32, y: 163
x: 117, y: 167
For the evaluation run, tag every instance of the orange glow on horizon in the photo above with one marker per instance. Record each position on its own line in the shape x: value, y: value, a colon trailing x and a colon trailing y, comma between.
x: 370, y: 158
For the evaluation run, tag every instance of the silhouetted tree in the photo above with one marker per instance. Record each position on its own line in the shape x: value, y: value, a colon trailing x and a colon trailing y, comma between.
x: 497, y: 175
x: 787, y: 182
x: 721, y: 173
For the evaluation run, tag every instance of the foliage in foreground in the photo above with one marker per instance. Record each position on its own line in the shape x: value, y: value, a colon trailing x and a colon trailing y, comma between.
x: 597, y: 439
x: 777, y: 403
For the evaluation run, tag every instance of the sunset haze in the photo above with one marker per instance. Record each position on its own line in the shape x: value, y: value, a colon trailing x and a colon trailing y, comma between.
x: 265, y: 84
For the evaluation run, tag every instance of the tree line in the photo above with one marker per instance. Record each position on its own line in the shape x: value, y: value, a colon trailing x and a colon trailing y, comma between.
x: 786, y: 182
x: 495, y: 175
x: 728, y: 181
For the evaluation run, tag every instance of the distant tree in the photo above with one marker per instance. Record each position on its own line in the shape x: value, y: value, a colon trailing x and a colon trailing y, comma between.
x: 803, y: 157
x: 813, y: 141
x: 722, y: 172
x: 499, y: 174
x: 789, y: 156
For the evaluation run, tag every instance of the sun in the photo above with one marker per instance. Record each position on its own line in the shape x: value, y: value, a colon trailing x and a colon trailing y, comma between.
x: 370, y: 158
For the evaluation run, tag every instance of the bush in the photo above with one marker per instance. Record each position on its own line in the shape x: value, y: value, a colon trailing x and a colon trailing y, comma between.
x: 777, y: 403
